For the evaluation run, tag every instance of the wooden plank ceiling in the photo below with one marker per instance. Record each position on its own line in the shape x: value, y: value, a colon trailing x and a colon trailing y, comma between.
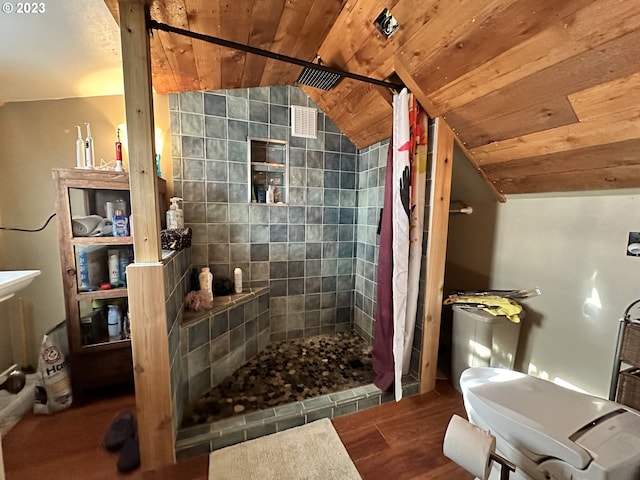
x: 543, y: 95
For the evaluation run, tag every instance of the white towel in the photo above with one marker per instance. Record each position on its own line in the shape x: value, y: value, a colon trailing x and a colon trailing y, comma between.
x: 86, y: 226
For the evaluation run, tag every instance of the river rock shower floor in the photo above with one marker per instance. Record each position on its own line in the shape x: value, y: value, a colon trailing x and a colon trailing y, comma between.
x: 286, y: 372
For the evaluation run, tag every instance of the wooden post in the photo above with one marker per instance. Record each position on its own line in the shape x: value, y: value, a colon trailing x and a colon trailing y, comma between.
x: 150, y: 348
x: 436, y: 251
x: 138, y: 96
x: 145, y: 278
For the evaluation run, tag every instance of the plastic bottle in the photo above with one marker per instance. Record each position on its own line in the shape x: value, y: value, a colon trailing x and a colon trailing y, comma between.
x: 83, y: 267
x: 114, y: 323
x: 88, y: 147
x: 120, y: 227
x: 175, y: 216
x: 237, y: 277
x: 114, y: 268
x: 206, y: 283
x: 270, y: 194
x: 79, y: 149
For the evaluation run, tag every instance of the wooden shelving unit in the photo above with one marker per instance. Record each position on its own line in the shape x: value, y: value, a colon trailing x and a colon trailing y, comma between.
x: 95, y: 360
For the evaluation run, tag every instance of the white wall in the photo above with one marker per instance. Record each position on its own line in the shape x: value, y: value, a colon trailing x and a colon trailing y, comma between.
x: 35, y: 137
x: 573, y: 247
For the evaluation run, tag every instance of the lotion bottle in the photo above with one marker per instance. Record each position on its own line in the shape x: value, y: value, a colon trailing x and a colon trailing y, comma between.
x: 88, y: 147
x: 206, y: 283
x: 175, y: 215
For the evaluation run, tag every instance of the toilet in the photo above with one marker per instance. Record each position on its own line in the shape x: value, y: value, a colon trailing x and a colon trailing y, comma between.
x: 551, y: 432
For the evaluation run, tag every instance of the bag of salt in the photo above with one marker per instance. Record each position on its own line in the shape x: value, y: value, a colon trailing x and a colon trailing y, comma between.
x: 53, y: 383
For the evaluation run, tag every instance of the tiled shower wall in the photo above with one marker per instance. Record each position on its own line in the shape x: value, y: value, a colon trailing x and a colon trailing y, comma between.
x: 176, y: 285
x: 372, y: 163
x: 303, y: 250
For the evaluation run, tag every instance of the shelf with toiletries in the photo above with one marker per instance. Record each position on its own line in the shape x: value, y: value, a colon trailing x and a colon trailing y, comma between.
x: 268, y: 170
x: 96, y: 246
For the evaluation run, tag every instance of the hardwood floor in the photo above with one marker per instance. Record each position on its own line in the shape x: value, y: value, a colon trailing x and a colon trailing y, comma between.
x: 398, y: 441
x: 403, y: 441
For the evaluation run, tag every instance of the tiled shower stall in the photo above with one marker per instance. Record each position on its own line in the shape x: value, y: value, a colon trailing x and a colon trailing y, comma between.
x: 317, y: 255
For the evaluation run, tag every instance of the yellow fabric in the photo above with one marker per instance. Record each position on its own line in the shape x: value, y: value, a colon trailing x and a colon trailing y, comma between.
x: 492, y: 304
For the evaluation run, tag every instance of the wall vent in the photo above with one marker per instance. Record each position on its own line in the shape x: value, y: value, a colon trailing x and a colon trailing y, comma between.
x: 304, y: 122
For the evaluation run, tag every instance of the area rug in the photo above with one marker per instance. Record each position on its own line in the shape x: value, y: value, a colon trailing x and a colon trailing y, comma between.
x: 312, y: 451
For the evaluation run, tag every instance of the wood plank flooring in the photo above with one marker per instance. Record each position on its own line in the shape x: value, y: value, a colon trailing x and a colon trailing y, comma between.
x: 403, y: 441
x: 398, y: 441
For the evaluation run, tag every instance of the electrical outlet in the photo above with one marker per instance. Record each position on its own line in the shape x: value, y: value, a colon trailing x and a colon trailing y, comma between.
x: 633, y: 245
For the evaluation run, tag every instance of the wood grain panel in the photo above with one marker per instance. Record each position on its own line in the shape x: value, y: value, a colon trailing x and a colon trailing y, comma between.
x: 265, y: 19
x: 591, y: 168
x: 353, y: 27
x: 150, y: 349
x: 177, y: 49
x: 493, y: 36
x: 403, y: 440
x: 615, y: 96
x: 510, y: 122
x: 618, y: 127
x: 235, y: 25
x: 544, y: 89
x: 600, y: 22
x: 447, y: 24
x: 207, y: 56
x: 302, y: 29
x: 606, y: 178
x: 436, y: 251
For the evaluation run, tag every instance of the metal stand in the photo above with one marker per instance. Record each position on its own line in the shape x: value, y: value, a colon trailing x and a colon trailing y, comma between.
x: 506, y: 466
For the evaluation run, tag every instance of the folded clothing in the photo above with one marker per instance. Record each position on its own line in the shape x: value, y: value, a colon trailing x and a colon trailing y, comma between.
x: 492, y: 304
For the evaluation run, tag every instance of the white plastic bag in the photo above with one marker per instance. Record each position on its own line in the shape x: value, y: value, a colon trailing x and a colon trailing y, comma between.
x: 53, y: 383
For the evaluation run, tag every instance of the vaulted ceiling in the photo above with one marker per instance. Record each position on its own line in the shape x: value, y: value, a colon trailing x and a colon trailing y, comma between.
x: 543, y: 95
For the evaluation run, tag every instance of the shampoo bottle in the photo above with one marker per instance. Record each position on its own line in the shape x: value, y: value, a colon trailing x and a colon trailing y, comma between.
x: 206, y: 283
x: 88, y: 147
x: 175, y: 216
x: 237, y: 277
x: 79, y: 149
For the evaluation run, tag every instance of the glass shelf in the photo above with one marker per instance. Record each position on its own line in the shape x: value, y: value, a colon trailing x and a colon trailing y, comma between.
x: 268, y: 166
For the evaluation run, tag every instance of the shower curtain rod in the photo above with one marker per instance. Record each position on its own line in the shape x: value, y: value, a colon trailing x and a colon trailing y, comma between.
x: 153, y: 24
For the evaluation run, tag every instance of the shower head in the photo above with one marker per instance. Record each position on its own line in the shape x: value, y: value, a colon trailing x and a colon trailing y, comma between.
x: 315, y: 77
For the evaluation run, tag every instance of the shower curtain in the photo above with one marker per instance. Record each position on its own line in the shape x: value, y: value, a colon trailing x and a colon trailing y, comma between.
x: 400, y: 247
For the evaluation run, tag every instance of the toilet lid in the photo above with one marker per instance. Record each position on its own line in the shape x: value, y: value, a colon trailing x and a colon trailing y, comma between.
x: 533, y: 413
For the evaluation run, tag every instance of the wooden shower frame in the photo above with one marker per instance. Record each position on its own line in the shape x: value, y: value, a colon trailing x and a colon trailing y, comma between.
x: 146, y: 280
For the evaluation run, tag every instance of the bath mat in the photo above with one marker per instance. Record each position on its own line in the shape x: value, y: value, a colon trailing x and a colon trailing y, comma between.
x: 312, y: 451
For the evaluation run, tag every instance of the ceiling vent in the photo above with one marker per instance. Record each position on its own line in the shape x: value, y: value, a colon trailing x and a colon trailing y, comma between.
x: 304, y: 122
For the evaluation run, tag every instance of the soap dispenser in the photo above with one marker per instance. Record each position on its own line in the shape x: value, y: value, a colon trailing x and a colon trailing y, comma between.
x: 175, y: 215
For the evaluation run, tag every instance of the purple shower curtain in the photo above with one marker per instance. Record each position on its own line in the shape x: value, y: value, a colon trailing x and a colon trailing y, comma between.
x: 382, y: 356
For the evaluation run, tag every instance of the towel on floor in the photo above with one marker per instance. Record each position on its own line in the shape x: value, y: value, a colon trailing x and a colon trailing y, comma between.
x: 492, y: 304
